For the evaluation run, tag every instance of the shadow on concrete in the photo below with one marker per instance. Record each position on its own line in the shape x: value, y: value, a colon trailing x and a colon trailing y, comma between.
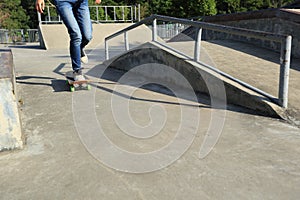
x: 58, y: 85
x: 108, y: 76
x: 24, y: 80
x: 58, y: 69
x: 26, y: 46
x: 113, y: 76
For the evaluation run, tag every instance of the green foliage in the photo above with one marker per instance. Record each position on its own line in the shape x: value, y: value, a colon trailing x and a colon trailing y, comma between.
x: 200, y: 7
x: 162, y: 7
x: 29, y: 8
x: 15, y: 14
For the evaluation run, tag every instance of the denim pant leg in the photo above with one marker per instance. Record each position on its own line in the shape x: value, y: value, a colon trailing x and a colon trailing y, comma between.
x: 84, y: 21
x: 65, y: 9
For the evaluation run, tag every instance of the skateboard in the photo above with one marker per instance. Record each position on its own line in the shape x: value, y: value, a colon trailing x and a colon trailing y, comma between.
x: 77, y: 85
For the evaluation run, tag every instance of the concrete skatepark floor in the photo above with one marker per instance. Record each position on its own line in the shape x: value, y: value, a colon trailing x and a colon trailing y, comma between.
x: 255, y: 157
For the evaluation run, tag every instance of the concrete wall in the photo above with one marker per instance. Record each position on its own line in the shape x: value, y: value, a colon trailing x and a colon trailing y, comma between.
x: 200, y: 78
x: 279, y: 21
x: 10, y: 126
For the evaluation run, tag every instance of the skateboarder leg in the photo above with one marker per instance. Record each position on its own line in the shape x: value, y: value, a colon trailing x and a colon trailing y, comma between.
x: 76, y: 17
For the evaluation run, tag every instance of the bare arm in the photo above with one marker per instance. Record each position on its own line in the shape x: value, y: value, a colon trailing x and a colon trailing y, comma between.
x: 97, y: 1
x: 40, y: 5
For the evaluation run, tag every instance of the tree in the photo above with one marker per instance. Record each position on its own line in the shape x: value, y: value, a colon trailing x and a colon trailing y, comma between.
x: 3, y: 15
x: 13, y: 16
x: 29, y: 8
x: 228, y: 6
x: 277, y: 3
x: 22, y: 14
x: 162, y: 7
x: 200, y: 7
x: 189, y: 9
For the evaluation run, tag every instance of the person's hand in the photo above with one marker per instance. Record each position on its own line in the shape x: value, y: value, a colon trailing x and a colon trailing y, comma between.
x: 40, y: 5
x: 97, y: 1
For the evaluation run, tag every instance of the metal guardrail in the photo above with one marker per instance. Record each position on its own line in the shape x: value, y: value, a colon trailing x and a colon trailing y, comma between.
x: 18, y: 35
x: 284, y: 40
x: 168, y: 30
x: 99, y: 14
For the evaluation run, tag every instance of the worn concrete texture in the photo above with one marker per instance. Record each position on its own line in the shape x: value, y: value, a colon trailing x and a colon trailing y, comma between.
x: 50, y: 40
x: 10, y: 126
x: 254, y: 157
x: 154, y: 58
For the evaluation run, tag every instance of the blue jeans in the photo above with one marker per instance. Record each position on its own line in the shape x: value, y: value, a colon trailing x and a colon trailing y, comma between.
x: 76, y: 17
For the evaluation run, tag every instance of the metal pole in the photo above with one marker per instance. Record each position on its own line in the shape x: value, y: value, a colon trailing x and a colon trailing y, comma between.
x: 154, y: 30
x: 139, y: 12
x: 97, y: 10
x: 115, y: 16
x: 176, y: 29
x: 284, y: 71
x: 106, y: 50
x: 197, y: 45
x: 131, y: 15
x: 49, y: 15
x: 39, y: 17
x: 126, y: 40
x: 105, y: 8
x: 123, y: 13
x: 135, y: 17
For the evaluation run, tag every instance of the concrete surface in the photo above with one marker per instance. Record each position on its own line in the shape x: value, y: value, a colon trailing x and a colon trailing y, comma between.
x: 154, y: 57
x: 10, y: 126
x: 254, y: 65
x: 55, y: 36
x: 276, y: 20
x: 255, y: 157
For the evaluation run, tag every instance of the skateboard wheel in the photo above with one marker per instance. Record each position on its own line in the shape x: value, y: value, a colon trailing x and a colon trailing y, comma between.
x: 89, y: 87
x: 72, y: 89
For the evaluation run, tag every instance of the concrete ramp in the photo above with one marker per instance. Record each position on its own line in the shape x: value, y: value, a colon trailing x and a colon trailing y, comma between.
x: 10, y: 126
x: 55, y: 36
x: 201, y: 78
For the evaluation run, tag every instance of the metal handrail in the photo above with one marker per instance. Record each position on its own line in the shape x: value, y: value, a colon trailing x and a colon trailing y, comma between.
x: 285, y: 40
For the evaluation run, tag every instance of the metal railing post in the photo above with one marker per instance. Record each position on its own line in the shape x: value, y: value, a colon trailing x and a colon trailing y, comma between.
x: 105, y: 8
x: 115, y: 15
x: 135, y: 16
x: 126, y: 41
x: 197, y: 45
x: 49, y: 15
x: 97, y: 10
x: 139, y: 12
x: 106, y: 50
x: 131, y: 13
x: 154, y: 30
x: 39, y: 17
x: 284, y: 71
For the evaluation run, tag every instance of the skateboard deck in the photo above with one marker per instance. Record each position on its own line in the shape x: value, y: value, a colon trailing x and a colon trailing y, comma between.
x: 77, y: 85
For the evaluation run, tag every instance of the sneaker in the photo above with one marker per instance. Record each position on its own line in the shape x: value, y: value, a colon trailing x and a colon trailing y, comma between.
x: 84, y: 59
x: 78, y: 76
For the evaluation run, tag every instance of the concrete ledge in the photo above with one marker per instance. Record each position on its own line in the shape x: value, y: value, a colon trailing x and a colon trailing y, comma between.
x: 151, y: 54
x: 10, y: 126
